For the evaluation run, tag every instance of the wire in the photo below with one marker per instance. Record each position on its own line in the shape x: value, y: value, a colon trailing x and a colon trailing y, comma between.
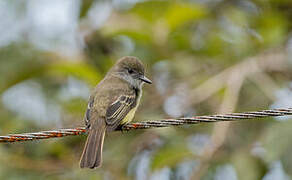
x: 150, y: 124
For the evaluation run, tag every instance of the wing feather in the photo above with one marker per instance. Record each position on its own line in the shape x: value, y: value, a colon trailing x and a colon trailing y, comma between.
x: 117, y: 111
x: 88, y: 112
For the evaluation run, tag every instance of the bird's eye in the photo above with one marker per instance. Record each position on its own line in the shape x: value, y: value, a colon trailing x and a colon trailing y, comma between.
x: 130, y: 71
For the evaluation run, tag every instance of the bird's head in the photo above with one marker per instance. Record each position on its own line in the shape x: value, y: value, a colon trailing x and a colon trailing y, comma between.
x: 131, y: 70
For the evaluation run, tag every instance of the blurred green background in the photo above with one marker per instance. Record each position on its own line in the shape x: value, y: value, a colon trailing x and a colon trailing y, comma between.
x: 204, y: 57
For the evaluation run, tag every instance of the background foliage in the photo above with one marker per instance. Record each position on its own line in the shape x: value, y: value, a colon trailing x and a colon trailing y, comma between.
x: 204, y: 56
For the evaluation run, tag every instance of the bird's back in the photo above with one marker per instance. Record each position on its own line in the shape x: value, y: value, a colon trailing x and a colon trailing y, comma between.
x: 108, y: 91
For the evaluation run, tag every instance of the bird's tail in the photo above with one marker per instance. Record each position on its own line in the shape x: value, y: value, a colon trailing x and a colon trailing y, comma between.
x: 92, y: 153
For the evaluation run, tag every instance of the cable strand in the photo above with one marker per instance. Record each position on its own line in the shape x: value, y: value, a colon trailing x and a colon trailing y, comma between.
x: 150, y: 124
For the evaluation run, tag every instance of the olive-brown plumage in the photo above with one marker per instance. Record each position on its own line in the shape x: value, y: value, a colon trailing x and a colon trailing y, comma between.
x: 112, y: 104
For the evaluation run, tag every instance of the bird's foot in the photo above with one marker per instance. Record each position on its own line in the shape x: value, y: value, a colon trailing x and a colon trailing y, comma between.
x: 120, y: 128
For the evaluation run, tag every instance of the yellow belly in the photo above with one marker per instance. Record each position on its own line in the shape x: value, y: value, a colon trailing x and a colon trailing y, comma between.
x: 129, y: 117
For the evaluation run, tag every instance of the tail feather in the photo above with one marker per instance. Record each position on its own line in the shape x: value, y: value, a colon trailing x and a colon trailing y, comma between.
x: 92, y: 153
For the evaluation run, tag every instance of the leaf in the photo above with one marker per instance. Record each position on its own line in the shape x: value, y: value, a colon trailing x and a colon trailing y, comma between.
x: 78, y: 69
x: 277, y: 140
x: 141, y: 37
x: 150, y: 10
x: 19, y: 62
x: 273, y: 28
x: 179, y: 14
x: 170, y: 155
x: 85, y: 6
x: 248, y: 166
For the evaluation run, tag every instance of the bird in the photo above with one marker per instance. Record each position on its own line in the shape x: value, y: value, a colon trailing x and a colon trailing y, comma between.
x: 112, y: 104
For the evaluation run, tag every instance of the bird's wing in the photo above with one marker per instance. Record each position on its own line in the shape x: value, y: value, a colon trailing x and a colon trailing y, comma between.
x: 117, y: 111
x: 88, y: 112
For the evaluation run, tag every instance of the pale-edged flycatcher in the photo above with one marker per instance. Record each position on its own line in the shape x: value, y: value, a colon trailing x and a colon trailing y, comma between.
x: 112, y: 104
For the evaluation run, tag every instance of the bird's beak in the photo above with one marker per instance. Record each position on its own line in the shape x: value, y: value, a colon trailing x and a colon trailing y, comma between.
x: 145, y: 79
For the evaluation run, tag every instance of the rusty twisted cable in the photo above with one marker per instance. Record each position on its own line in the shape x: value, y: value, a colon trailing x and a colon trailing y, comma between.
x: 151, y: 124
